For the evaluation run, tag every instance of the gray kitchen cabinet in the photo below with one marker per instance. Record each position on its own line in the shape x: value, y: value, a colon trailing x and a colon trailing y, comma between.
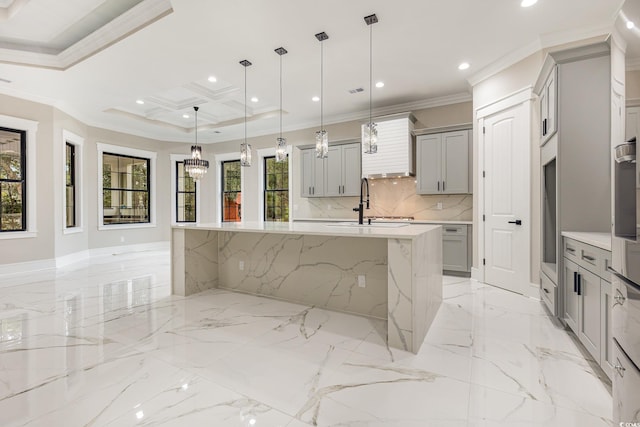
x: 548, y: 106
x: 455, y: 248
x: 336, y: 176
x: 343, y: 171
x: 312, y: 174
x: 443, y: 163
x: 588, y: 299
x: 571, y: 303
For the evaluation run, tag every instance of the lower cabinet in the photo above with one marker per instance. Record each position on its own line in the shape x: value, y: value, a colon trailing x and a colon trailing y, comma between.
x: 588, y: 300
x: 455, y: 248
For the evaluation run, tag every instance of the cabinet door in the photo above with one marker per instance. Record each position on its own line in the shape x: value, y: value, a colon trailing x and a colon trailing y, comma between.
x: 552, y: 102
x: 429, y: 161
x: 455, y: 162
x: 319, y: 172
x: 589, y: 312
x: 352, y: 170
x: 307, y: 172
x: 606, y: 338
x: 571, y: 306
x: 544, y: 111
x: 333, y: 177
x: 454, y: 253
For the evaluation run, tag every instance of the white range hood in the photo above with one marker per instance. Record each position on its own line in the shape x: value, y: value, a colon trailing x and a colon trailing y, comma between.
x: 396, y: 148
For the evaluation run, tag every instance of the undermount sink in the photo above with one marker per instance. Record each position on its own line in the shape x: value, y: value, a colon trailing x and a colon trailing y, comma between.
x: 373, y: 224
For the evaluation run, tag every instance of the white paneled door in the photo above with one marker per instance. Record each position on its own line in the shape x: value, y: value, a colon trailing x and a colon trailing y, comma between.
x: 506, y: 198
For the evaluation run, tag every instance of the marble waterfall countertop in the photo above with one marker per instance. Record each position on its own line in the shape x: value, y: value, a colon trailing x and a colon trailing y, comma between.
x: 599, y: 240
x: 410, y: 221
x: 352, y: 229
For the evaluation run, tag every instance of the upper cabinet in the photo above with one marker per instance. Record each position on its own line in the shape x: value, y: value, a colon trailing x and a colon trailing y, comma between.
x: 548, y: 105
x: 336, y: 176
x: 396, y: 153
x: 443, y: 163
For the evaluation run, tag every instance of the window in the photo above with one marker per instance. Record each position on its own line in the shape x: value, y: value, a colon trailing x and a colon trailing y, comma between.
x: 125, y: 189
x: 231, y: 191
x: 276, y: 190
x: 70, y: 184
x: 185, y: 195
x: 12, y: 180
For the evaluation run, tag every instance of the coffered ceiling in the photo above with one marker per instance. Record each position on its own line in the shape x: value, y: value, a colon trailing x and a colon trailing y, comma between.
x: 95, y: 58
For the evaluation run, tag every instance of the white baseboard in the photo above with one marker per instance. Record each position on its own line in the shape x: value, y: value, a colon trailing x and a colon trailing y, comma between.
x: 65, y: 260
x: 22, y: 267
x: 476, y: 274
x: 533, y: 291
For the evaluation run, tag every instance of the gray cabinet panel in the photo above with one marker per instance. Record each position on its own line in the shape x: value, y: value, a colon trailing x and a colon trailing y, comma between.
x: 589, y: 325
x: 333, y: 177
x: 571, y: 298
x: 352, y: 170
x: 337, y: 175
x: 443, y: 163
x: 606, y: 335
x: 455, y: 248
x: 307, y: 172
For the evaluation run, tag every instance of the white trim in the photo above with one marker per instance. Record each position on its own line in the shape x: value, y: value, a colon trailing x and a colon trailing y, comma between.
x: 268, y: 152
x: 78, y: 143
x: 175, y: 158
x: 69, y: 259
x: 511, y: 100
x: 127, y: 151
x: 31, y: 128
x: 477, y: 274
x: 219, y: 158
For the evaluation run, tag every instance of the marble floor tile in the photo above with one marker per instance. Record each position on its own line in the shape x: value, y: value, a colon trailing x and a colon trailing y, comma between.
x: 104, y: 343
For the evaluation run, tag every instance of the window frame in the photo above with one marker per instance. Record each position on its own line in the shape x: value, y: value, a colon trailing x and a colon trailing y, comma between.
x: 222, y: 188
x: 31, y: 129
x: 220, y: 158
x: 78, y: 144
x: 265, y: 159
x: 22, y: 181
x: 270, y: 152
x: 118, y: 150
x: 175, y: 159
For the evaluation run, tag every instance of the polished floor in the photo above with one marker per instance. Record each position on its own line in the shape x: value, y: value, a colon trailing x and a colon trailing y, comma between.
x: 103, y: 343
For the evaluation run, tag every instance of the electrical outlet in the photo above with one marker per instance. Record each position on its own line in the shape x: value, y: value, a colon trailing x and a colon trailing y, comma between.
x: 439, y: 206
x: 121, y: 239
x: 362, y: 283
x: 241, y: 265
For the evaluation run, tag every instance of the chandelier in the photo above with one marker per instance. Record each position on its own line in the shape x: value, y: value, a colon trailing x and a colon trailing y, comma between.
x: 195, y: 166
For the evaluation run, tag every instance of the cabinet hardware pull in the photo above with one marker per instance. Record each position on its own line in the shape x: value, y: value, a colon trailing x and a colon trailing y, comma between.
x: 619, y: 298
x: 451, y: 230
x: 546, y: 290
x: 544, y: 127
x: 619, y: 368
x: 588, y: 258
x: 438, y: 185
x: 570, y: 249
x: 575, y: 282
x: 442, y: 185
x: 579, y: 284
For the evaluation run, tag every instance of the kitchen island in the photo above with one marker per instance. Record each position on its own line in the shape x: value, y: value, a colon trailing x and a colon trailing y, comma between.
x: 390, y: 272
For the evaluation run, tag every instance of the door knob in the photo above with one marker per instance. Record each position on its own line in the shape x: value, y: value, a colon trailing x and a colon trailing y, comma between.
x: 516, y: 222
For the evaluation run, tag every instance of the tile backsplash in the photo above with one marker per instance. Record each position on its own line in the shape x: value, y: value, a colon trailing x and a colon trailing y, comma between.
x: 390, y: 197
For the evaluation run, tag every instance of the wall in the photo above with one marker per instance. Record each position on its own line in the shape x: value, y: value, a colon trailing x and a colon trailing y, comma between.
x: 42, y: 246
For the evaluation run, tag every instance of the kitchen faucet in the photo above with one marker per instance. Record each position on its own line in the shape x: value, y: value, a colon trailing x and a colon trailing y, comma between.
x: 359, y: 209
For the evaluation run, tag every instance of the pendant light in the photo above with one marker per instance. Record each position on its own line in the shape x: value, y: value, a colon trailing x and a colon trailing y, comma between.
x: 370, y: 131
x: 281, y: 143
x: 322, y: 137
x: 195, y: 166
x: 245, y: 148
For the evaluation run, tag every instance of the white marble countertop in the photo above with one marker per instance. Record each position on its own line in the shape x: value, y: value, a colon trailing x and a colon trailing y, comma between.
x: 411, y: 221
x: 408, y: 231
x: 599, y: 240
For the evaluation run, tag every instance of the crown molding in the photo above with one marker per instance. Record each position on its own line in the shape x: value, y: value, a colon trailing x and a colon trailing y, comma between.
x: 133, y: 20
x: 11, y: 10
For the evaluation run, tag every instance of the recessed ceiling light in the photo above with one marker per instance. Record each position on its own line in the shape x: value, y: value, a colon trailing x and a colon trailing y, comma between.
x: 463, y: 66
x: 630, y: 24
x: 379, y: 84
x: 315, y: 99
x: 139, y: 101
x: 212, y: 79
x: 185, y: 116
x: 527, y: 3
x: 254, y: 99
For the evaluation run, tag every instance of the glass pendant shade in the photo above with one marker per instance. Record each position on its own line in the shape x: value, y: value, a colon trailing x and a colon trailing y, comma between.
x: 281, y: 149
x: 370, y: 138
x: 322, y: 144
x: 245, y: 154
x: 195, y: 166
